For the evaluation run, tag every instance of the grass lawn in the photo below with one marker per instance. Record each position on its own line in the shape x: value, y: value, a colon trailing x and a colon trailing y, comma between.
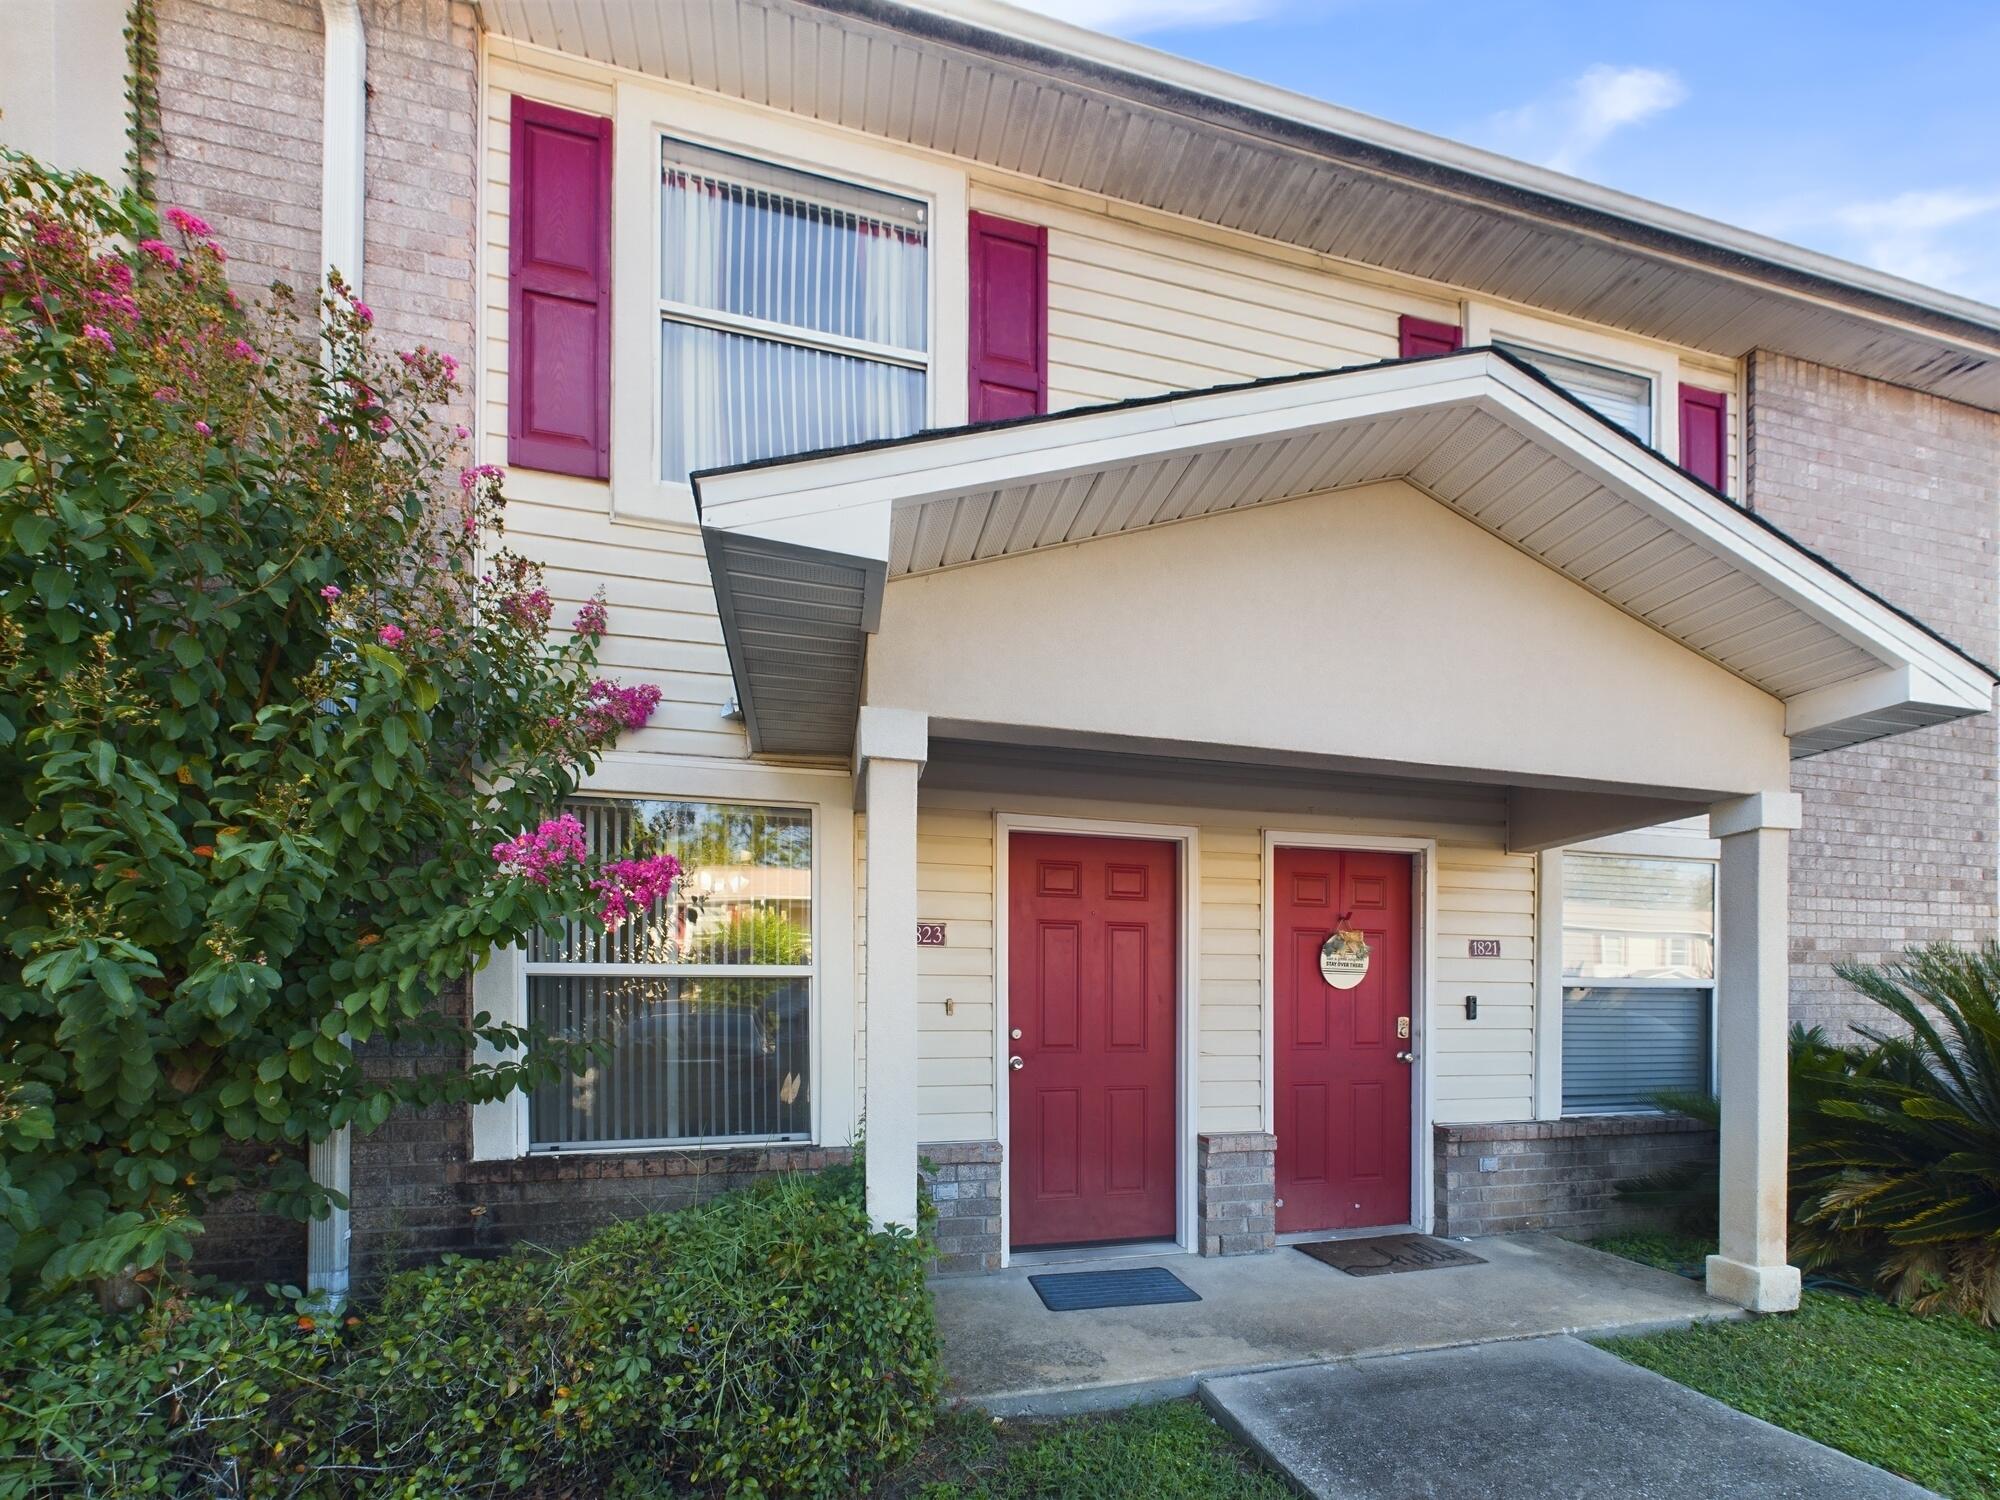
x: 1172, y: 1451
x: 1917, y: 1396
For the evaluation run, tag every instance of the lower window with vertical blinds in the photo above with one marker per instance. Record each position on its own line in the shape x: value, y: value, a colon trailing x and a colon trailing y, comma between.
x: 1638, y: 981
x: 703, y: 1006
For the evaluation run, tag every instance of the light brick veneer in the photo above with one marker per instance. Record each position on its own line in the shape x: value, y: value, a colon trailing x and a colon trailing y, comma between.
x: 1902, y: 492
x: 1560, y: 1175
x: 240, y: 87
x: 1236, y: 1200
x: 965, y: 1188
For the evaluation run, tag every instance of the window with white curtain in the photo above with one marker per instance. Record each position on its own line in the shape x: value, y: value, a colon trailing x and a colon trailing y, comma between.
x: 703, y: 1006
x: 794, y: 311
x: 1638, y: 981
x: 1617, y: 395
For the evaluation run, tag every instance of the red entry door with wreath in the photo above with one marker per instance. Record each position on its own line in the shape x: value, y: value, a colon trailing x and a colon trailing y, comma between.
x: 1343, y: 1069
x: 1092, y: 986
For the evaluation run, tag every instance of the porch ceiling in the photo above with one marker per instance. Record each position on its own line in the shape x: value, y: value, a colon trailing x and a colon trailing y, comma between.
x: 1019, y: 92
x: 801, y: 547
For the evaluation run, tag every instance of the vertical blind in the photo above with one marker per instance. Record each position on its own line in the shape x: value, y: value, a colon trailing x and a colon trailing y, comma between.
x: 701, y: 1010
x: 1616, y: 395
x: 1638, y: 973
x: 794, y: 311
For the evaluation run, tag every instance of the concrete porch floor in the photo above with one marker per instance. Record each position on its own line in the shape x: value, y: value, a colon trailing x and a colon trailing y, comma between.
x: 1005, y: 1352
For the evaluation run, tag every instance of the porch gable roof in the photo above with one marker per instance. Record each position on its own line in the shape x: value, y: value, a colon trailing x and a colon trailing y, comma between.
x: 800, y: 548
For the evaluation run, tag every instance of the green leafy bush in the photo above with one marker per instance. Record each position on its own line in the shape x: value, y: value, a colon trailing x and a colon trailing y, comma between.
x: 1896, y: 1157
x: 1895, y: 1140
x: 764, y: 1343
x: 272, y: 696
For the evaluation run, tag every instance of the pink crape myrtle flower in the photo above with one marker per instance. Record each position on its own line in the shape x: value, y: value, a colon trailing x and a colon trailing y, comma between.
x: 528, y: 608
x: 590, y: 620
x: 203, y: 428
x: 390, y: 636
x: 160, y: 251
x: 189, y: 224
x: 99, y: 336
x: 467, y: 478
x: 629, y: 887
x: 364, y: 312
x: 613, y: 706
x: 330, y: 593
x: 532, y: 856
x: 241, y: 349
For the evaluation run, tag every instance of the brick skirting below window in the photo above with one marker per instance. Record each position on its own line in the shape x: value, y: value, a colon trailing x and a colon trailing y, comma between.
x: 1559, y: 1175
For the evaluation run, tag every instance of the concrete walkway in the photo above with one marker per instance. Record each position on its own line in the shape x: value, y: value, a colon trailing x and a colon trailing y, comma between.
x: 1544, y: 1419
x: 1006, y: 1352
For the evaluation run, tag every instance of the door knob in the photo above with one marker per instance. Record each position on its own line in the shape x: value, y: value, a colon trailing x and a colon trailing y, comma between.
x: 1406, y: 1057
x: 1016, y: 1064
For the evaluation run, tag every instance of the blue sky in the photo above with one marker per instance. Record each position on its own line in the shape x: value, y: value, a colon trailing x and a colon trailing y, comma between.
x: 1868, y: 131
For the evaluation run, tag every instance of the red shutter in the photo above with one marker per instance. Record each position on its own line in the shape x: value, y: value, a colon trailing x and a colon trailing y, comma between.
x: 1416, y: 337
x: 1009, y: 319
x: 1705, y: 435
x: 559, y: 292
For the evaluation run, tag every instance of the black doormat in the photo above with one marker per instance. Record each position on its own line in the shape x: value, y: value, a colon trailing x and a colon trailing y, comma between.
x: 1078, y: 1291
x: 1386, y: 1254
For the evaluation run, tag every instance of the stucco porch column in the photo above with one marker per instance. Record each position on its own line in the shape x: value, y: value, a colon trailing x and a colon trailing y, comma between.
x: 1752, y: 1002
x: 889, y: 749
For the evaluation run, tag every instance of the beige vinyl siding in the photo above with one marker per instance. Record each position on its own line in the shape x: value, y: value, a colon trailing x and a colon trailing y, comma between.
x: 663, y: 624
x: 1136, y: 309
x: 1482, y: 1070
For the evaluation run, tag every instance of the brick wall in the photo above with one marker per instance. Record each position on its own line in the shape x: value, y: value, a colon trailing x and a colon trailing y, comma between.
x: 1236, y: 1193
x: 1560, y: 1175
x: 241, y: 84
x: 965, y: 1189
x: 1899, y: 490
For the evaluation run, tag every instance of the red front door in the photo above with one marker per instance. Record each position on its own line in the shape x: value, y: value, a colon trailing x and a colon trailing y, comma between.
x: 1091, y: 984
x: 1343, y: 1094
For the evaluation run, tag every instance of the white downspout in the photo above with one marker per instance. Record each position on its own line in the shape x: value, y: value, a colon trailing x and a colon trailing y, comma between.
x: 343, y: 158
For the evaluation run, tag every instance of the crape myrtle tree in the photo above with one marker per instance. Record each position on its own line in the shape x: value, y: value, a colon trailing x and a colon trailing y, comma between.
x: 283, y: 727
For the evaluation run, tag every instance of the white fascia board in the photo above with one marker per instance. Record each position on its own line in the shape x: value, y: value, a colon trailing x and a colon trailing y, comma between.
x: 1861, y: 697
x: 954, y: 464
x: 1678, y: 502
x: 1152, y: 65
x: 851, y: 496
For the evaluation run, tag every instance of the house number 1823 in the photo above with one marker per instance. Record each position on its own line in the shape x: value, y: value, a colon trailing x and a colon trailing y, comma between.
x: 930, y: 934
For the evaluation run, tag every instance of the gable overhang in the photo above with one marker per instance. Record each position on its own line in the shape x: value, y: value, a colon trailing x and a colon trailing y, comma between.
x: 801, y: 548
x: 990, y: 83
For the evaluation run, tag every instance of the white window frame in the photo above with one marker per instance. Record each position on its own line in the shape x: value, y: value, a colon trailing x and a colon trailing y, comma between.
x: 1552, y: 928
x: 500, y: 1128
x: 1488, y: 323
x: 646, y: 118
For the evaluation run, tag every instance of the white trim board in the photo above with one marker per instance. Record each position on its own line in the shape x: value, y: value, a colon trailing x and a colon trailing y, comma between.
x: 1464, y: 428
x: 1187, y: 1015
x: 1423, y: 916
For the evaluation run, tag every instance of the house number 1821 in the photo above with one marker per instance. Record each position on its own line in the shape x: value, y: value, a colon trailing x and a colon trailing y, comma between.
x: 1482, y: 947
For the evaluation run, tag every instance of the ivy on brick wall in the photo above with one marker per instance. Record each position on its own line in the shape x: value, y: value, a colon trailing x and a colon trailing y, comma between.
x: 142, y: 94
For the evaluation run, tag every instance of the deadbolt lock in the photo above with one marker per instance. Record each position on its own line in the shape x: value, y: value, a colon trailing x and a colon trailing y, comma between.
x: 1402, y: 1028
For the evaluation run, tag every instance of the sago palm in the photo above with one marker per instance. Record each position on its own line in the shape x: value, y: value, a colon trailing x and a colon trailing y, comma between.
x: 1896, y: 1157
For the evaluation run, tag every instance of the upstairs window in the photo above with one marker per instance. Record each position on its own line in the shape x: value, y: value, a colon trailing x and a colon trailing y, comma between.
x: 1638, y: 981
x: 794, y: 311
x: 1619, y: 396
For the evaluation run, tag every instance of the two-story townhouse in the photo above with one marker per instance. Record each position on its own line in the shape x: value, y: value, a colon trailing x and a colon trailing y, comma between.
x: 1230, y: 669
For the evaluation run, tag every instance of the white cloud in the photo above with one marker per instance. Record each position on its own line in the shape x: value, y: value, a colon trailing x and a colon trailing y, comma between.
x: 1942, y: 236
x: 1564, y: 129
x: 1134, y: 16
x: 1909, y: 233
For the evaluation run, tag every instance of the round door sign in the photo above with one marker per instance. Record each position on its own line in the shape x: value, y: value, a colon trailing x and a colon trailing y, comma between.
x: 1343, y: 960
